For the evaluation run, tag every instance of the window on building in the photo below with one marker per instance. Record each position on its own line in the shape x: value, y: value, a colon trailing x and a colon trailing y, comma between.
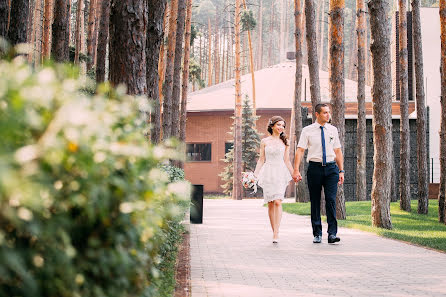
x: 228, y: 146
x: 198, y: 152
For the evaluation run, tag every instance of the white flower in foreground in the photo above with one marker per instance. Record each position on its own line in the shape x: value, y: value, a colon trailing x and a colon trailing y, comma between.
x: 24, y: 214
x: 26, y: 154
x: 180, y: 189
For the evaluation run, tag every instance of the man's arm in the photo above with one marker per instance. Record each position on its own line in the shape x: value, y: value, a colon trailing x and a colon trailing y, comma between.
x: 340, y: 163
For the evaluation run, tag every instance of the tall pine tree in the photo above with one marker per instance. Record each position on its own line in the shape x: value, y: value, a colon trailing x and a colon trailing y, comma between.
x: 250, y: 147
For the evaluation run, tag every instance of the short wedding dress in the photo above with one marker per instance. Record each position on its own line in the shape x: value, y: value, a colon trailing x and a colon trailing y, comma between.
x: 274, y: 175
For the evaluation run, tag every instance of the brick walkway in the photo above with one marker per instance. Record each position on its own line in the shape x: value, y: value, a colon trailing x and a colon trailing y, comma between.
x: 232, y: 255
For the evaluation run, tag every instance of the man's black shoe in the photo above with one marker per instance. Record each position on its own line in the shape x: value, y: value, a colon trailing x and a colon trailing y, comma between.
x: 317, y: 239
x: 333, y: 239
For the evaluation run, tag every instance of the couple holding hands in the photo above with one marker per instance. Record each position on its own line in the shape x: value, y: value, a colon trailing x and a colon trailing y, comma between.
x: 326, y: 163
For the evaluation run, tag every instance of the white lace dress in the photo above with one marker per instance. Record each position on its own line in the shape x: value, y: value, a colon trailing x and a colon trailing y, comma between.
x: 274, y: 176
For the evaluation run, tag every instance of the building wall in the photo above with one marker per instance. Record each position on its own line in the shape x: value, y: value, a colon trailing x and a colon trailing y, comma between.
x: 213, y: 127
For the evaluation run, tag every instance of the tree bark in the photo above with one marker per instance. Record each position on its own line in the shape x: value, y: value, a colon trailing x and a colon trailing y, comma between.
x: 337, y: 84
x: 168, y: 81
x: 155, y: 34
x: 441, y: 195
x: 361, y: 142
x: 91, y: 34
x: 48, y: 7
x: 4, y: 15
x: 423, y: 201
x: 161, y: 63
x: 18, y: 26
x: 322, y: 36
x: 271, y: 30
x: 78, y: 31
x: 237, y: 185
x: 209, y: 53
x: 301, y: 187
x: 185, y: 71
x: 382, y: 113
x: 260, y: 37
x: 217, y: 49
x: 36, y: 32
x: 59, y: 50
x: 313, y: 63
x: 282, y: 32
x: 251, y: 65
x: 404, y: 110
x: 102, y: 41
x: 176, y: 89
x: 127, y: 45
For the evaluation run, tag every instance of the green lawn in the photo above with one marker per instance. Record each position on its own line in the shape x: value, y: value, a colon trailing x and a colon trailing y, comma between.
x: 424, y: 230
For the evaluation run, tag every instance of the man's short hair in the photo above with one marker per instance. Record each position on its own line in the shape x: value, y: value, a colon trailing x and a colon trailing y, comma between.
x: 319, y: 106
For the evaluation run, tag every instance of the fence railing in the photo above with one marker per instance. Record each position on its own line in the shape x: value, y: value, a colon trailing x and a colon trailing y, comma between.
x: 434, y: 173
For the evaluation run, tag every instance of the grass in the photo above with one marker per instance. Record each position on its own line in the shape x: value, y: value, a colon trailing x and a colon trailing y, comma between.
x: 423, y: 230
x: 216, y: 196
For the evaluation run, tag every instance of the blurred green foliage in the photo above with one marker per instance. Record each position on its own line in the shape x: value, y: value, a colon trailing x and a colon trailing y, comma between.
x: 85, y: 208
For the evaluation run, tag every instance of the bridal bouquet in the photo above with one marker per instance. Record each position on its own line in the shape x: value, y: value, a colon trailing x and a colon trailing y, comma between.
x: 249, y: 181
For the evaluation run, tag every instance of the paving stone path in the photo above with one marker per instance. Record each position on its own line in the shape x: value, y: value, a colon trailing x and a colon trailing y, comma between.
x: 232, y: 254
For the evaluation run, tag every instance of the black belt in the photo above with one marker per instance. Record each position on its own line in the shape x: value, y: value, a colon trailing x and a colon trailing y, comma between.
x: 320, y: 163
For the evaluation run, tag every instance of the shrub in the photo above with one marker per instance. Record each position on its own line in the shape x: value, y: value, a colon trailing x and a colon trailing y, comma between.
x: 84, y: 206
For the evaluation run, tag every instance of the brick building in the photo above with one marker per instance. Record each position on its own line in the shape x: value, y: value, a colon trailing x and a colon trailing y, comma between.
x: 210, y: 111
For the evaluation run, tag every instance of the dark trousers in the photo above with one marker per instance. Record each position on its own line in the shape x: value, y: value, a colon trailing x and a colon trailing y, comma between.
x: 319, y: 176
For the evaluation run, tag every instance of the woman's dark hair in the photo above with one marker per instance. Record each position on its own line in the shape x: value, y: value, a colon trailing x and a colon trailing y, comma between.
x: 272, y: 121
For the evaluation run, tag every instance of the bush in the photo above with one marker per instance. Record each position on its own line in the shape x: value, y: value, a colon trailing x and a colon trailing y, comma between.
x: 84, y: 206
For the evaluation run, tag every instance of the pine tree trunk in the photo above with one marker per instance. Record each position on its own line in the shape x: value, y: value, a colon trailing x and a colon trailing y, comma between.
x: 78, y: 45
x: 271, y: 30
x: 18, y: 25
x: 361, y: 140
x: 230, y: 59
x: 404, y: 110
x: 260, y: 37
x: 161, y: 63
x: 186, y: 71
x: 282, y: 32
x: 37, y: 30
x: 337, y: 84
x: 353, y: 51
x: 68, y: 40
x: 382, y: 113
x: 127, y: 45
x: 29, y: 30
x: 301, y: 187
x: 102, y: 41
x: 59, y: 50
x: 4, y: 15
x: 97, y: 17
x: 313, y: 63
x: 176, y: 89
x: 237, y: 185
x: 322, y: 36
x: 217, y: 48
x: 155, y: 34
x: 251, y: 65
x: 91, y: 34
x: 442, y: 194
x: 48, y: 7
x: 168, y: 81
x: 423, y: 201
x: 209, y: 54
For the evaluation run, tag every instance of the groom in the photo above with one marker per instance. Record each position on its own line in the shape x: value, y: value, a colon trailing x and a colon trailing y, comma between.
x: 326, y: 169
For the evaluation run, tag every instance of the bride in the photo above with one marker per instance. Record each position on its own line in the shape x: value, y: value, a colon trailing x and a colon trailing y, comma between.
x: 274, y: 171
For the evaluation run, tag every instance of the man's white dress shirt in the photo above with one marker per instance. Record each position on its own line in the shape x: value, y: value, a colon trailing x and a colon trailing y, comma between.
x: 311, y: 139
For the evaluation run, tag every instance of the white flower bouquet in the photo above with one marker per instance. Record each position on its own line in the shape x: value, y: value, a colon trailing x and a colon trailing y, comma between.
x: 249, y: 181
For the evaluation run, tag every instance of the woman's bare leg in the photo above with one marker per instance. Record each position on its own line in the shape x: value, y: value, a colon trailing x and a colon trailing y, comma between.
x: 271, y: 214
x: 277, y: 216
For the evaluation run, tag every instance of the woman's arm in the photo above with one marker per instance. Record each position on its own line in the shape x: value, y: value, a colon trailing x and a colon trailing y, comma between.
x: 261, y: 160
x: 286, y: 158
